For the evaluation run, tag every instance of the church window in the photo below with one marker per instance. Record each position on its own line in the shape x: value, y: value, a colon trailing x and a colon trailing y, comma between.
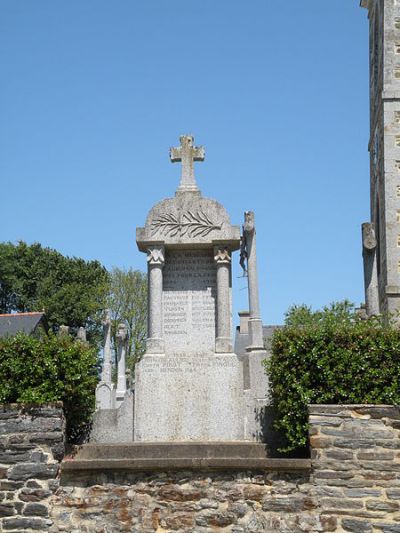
x: 398, y: 216
x: 398, y: 190
x: 397, y: 23
x: 397, y: 165
x: 397, y: 117
x: 397, y: 48
x: 397, y: 140
x: 398, y: 267
x: 398, y: 241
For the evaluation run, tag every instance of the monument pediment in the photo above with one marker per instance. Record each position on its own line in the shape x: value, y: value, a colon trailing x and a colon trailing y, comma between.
x: 188, y: 219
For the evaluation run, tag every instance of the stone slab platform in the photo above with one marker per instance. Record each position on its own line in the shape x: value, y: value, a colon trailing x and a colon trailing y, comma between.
x: 142, y: 457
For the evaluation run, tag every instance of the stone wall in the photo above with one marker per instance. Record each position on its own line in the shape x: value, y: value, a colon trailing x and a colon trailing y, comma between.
x: 31, y: 446
x: 353, y: 485
x: 356, y: 465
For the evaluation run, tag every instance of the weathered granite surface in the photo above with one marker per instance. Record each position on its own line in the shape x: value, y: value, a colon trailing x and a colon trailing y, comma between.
x: 382, y: 263
x: 189, y: 384
x: 353, y: 484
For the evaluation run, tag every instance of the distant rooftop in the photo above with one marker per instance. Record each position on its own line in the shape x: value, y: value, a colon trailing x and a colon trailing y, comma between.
x: 11, y: 324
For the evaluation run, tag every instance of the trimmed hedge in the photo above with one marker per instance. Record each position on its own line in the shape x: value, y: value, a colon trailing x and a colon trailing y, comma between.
x: 331, y: 356
x: 54, y: 368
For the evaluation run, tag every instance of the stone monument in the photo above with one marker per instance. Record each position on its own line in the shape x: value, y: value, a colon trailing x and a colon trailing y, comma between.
x: 189, y: 384
x: 113, y: 419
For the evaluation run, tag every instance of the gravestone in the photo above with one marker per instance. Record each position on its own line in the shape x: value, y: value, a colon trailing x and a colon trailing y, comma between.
x: 189, y: 384
x: 113, y: 419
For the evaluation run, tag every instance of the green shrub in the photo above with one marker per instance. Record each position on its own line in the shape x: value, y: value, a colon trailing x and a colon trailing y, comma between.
x: 330, y: 357
x: 50, y: 369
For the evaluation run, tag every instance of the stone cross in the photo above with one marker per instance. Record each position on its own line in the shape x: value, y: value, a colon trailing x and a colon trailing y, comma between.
x: 187, y: 153
x: 106, y: 373
x: 122, y: 339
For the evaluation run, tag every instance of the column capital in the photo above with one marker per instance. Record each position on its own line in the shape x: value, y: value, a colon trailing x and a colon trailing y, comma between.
x: 222, y: 255
x: 156, y: 255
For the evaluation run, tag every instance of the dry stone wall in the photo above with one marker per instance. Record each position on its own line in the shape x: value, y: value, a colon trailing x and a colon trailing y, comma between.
x: 353, y: 485
x: 356, y: 465
x: 31, y: 448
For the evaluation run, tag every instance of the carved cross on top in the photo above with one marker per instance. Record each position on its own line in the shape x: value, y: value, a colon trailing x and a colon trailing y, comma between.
x: 187, y: 153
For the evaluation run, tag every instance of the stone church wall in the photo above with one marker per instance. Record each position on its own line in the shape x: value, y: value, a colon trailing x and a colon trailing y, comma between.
x: 353, y: 483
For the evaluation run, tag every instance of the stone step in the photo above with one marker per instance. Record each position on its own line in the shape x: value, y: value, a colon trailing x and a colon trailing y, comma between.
x: 116, y: 459
x: 148, y: 450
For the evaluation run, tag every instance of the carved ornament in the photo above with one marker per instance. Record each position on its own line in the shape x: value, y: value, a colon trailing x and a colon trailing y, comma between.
x: 155, y: 256
x: 191, y: 224
x: 222, y: 255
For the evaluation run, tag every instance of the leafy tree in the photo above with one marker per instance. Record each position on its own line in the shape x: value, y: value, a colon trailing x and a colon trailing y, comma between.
x: 331, y: 356
x: 70, y: 290
x: 51, y: 369
x: 127, y: 302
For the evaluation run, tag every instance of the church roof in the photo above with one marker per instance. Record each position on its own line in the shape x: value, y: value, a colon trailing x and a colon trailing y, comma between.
x: 242, y: 340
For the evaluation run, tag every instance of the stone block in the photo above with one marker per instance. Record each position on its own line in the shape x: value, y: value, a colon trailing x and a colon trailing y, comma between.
x: 356, y: 526
x: 181, y: 521
x: 7, y: 509
x: 18, y: 524
x: 114, y: 425
x: 363, y: 493
x: 333, y: 504
x: 36, y: 509
x: 169, y: 398
x: 25, y: 471
x: 341, y: 455
x: 33, y: 494
x: 393, y: 493
x: 291, y: 504
x: 387, y: 527
x: 379, y: 505
x: 375, y: 456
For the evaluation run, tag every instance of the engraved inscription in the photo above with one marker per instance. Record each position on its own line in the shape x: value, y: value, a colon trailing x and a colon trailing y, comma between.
x: 189, y: 289
x: 185, y: 365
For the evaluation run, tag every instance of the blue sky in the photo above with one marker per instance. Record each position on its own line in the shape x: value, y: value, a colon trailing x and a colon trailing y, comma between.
x: 94, y: 93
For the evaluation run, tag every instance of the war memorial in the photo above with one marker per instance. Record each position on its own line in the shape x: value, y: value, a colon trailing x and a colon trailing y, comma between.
x: 190, y: 447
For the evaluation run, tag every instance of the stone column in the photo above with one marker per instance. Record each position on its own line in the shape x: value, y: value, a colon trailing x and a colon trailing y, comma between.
x: 105, y: 390
x: 106, y: 372
x: 255, y: 323
x: 223, y: 342
x: 370, y: 269
x: 155, y: 338
x: 122, y: 339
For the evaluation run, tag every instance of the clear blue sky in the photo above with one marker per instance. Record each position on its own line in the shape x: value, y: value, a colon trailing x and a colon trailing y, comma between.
x: 94, y: 92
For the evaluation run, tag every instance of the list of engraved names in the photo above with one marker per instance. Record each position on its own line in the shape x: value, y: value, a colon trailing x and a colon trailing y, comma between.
x: 189, y: 288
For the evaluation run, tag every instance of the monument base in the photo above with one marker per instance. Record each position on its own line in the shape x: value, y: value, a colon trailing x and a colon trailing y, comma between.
x: 97, y: 464
x: 114, y: 425
x: 189, y: 398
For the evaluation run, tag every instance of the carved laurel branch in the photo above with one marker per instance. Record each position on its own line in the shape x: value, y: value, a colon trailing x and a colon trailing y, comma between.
x: 191, y: 224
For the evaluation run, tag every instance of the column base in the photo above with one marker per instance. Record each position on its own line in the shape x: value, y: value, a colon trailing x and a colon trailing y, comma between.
x: 223, y: 345
x: 155, y: 346
x: 256, y: 335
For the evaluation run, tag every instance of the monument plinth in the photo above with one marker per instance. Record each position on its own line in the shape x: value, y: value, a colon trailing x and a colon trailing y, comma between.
x: 189, y: 384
